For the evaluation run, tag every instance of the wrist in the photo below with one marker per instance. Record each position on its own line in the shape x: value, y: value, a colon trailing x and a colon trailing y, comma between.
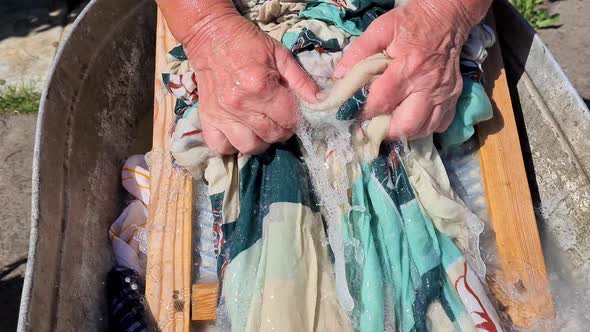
x: 195, y: 23
x: 457, y: 15
x: 211, y: 31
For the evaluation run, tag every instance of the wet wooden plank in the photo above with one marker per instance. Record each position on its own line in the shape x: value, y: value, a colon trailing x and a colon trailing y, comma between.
x: 168, y: 276
x: 522, y: 287
x: 204, y: 299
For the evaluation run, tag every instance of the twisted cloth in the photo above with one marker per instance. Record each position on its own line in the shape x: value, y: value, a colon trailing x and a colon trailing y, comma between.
x: 336, y: 230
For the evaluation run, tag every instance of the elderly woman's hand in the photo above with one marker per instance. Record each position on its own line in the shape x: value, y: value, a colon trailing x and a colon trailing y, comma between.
x: 421, y: 86
x: 244, y: 79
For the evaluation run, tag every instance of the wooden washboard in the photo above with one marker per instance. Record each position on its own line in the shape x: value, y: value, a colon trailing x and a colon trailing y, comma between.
x: 174, y: 302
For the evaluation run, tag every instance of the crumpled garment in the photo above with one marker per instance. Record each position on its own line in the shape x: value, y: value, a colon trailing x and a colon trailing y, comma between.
x: 128, y: 233
x: 127, y: 311
x: 315, y: 234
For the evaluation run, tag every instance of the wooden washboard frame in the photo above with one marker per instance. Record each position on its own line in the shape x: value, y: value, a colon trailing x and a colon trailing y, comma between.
x: 169, y: 292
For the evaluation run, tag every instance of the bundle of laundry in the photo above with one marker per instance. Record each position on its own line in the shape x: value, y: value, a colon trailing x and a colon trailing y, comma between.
x: 336, y: 229
x: 128, y: 234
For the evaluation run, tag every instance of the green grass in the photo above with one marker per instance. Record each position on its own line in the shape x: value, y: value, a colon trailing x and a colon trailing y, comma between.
x: 537, y: 16
x: 19, y: 100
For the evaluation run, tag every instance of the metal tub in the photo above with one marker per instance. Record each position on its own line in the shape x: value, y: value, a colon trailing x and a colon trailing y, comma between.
x: 96, y: 111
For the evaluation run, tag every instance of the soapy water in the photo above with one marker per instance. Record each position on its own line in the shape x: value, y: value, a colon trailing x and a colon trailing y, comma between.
x: 570, y: 292
x: 464, y: 172
x: 332, y: 197
x: 204, y: 261
x: 463, y: 169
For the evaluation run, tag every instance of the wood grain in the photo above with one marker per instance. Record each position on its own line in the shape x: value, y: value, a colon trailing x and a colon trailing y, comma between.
x: 522, y: 287
x: 168, y: 277
x: 204, y: 299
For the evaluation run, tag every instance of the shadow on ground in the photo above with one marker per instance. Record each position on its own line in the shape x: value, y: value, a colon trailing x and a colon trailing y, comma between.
x: 22, y: 18
x: 10, y: 288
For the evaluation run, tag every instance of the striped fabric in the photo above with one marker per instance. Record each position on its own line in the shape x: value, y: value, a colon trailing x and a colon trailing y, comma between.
x: 124, y: 284
x: 127, y: 312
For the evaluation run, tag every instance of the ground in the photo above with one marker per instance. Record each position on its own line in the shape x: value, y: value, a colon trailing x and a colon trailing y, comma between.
x: 28, y: 41
x: 570, y: 44
x: 17, y: 134
x: 29, y: 37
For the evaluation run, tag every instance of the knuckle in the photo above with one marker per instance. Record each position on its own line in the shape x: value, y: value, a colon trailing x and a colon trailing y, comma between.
x: 270, y: 135
x: 267, y: 130
x: 255, y: 80
x: 429, y: 130
x: 222, y: 149
x: 278, y: 135
x: 409, y: 128
x: 256, y: 86
x: 257, y: 120
x: 261, y: 125
x: 218, y: 144
x: 250, y: 146
x: 232, y: 101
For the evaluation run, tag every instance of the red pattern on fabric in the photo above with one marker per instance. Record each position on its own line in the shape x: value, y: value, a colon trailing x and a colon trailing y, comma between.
x: 363, y: 131
x: 217, y: 232
x: 192, y: 95
x: 172, y: 130
x: 341, y: 4
x: 487, y: 324
x: 393, y: 156
x: 320, y: 49
x: 194, y: 79
x: 173, y: 85
x: 298, y: 45
x: 330, y: 153
x: 190, y: 133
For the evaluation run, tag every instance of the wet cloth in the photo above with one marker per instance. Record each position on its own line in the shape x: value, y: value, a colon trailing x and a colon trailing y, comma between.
x: 382, y: 252
x: 404, y: 240
x: 127, y: 312
x: 124, y: 283
x: 128, y: 233
x: 473, y: 105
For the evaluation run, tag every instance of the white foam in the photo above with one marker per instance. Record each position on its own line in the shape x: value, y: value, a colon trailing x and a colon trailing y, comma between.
x: 333, y: 197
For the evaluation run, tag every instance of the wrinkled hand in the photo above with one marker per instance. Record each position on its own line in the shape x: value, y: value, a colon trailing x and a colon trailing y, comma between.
x: 246, y: 82
x: 421, y: 85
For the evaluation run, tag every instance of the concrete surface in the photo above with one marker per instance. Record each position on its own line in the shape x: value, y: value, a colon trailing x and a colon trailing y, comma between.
x: 570, y: 44
x: 17, y: 134
x: 28, y: 42
x: 30, y: 33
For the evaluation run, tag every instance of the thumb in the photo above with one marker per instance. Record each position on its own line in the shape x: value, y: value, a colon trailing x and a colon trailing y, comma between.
x: 295, y: 77
x: 374, y: 40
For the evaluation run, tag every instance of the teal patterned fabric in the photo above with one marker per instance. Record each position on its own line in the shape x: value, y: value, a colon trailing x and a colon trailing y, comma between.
x: 270, y: 234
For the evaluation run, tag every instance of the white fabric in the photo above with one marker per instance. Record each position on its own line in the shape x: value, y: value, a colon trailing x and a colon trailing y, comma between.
x: 128, y: 233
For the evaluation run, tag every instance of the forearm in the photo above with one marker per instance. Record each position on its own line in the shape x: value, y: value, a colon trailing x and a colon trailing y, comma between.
x: 192, y: 20
x: 463, y: 14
